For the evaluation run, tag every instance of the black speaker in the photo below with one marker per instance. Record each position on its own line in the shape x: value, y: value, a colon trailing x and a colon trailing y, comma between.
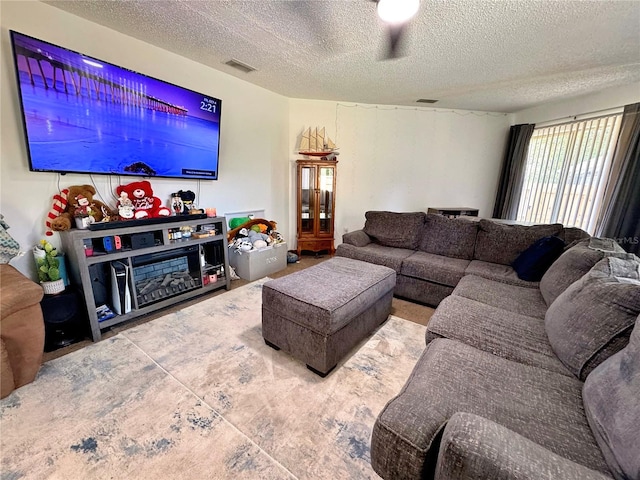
x: 65, y: 320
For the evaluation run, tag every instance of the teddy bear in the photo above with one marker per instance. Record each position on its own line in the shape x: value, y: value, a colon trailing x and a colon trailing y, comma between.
x: 145, y: 205
x: 75, y: 201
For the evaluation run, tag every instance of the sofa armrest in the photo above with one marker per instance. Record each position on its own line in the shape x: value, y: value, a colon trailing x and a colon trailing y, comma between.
x: 357, y: 238
x: 17, y: 291
x: 21, y: 329
x: 473, y: 447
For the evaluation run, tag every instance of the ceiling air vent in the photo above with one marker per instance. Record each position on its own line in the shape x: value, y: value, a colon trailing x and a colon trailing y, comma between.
x: 426, y: 100
x: 240, y: 66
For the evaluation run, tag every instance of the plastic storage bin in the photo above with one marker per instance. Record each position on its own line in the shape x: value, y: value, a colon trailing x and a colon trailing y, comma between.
x: 259, y: 263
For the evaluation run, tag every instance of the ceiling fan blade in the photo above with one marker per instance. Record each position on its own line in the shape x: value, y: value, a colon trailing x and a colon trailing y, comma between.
x: 395, y: 47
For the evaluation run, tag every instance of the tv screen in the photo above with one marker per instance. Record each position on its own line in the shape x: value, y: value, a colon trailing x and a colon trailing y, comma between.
x: 83, y: 115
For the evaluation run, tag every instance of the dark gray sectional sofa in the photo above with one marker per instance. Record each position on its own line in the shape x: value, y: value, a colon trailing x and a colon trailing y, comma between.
x: 431, y: 253
x: 518, y: 380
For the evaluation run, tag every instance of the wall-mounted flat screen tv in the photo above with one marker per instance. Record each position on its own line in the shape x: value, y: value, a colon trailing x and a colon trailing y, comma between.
x: 83, y: 115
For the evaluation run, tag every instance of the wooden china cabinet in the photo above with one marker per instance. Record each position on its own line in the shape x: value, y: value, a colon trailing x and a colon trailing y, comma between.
x: 316, y: 186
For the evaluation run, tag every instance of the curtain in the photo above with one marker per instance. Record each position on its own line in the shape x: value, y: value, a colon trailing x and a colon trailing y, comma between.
x: 512, y: 176
x: 620, y: 218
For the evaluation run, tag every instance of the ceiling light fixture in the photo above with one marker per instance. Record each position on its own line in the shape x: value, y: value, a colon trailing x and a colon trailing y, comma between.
x: 397, y: 11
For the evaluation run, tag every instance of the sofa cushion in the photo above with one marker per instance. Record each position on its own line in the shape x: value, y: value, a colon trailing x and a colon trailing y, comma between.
x: 434, y: 268
x: 512, y: 298
x: 421, y: 291
x: 610, y: 396
x: 356, y: 238
x: 571, y: 266
x: 375, y: 253
x: 391, y: 229
x: 451, y: 237
x: 592, y: 319
x: 451, y: 377
x: 498, y: 273
x: 509, y: 335
x: 607, y: 245
x: 473, y: 447
x: 532, y: 264
x: 502, y: 243
x: 573, y: 234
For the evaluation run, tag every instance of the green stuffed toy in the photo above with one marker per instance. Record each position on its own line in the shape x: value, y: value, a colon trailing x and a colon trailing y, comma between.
x: 236, y: 222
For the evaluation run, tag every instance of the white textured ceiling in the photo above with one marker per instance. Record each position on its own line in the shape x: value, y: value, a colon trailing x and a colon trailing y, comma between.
x: 500, y: 56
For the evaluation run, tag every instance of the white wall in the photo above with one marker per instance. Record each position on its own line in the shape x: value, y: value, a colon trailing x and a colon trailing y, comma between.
x: 606, y: 99
x: 254, y: 128
x: 403, y: 159
x: 391, y: 158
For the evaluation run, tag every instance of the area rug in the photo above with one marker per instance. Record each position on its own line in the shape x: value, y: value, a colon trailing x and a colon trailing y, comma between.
x: 197, y: 394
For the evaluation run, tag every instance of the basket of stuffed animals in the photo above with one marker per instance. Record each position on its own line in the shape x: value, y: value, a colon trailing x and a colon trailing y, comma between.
x: 256, y: 249
x: 259, y: 263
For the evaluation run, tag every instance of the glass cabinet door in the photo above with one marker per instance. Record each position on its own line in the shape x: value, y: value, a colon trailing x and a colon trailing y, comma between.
x: 308, y: 197
x: 325, y: 202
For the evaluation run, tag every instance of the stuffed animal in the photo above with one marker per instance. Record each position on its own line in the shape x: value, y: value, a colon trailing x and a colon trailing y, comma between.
x: 125, y: 207
x: 241, y: 244
x: 68, y: 197
x: 145, y: 205
x: 276, y: 237
x: 58, y: 207
x: 84, y: 207
x: 247, y: 239
x: 245, y: 246
x: 177, y: 205
x: 188, y: 198
x: 259, y: 240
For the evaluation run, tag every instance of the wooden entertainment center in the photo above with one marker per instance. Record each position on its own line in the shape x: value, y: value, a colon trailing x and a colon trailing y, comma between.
x: 129, y: 269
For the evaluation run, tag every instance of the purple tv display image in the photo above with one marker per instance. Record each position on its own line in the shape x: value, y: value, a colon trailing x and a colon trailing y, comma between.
x: 83, y: 115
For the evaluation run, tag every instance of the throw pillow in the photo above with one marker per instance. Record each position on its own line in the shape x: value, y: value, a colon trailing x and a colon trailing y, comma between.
x: 451, y: 237
x: 502, y: 243
x: 570, y: 267
x: 532, y: 264
x: 391, y: 229
x: 610, y: 395
x: 9, y: 248
x: 592, y: 319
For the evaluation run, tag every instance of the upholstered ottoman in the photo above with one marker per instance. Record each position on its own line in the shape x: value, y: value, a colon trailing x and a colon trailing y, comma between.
x: 320, y: 313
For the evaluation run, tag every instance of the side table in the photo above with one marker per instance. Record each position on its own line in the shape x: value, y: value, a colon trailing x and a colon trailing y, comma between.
x: 453, y: 212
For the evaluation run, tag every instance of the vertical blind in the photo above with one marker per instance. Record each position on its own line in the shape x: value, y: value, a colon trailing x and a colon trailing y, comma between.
x: 566, y: 172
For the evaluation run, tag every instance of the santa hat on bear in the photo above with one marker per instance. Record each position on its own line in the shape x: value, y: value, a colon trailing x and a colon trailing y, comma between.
x: 59, y: 206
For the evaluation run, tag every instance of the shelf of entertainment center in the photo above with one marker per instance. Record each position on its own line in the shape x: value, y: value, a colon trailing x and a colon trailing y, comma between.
x: 126, y: 272
x: 99, y: 257
x: 117, y: 319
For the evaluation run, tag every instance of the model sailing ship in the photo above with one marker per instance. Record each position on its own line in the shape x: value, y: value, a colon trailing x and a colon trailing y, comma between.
x: 315, y: 144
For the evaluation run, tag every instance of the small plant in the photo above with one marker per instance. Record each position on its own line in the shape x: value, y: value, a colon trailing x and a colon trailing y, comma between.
x: 49, y: 264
